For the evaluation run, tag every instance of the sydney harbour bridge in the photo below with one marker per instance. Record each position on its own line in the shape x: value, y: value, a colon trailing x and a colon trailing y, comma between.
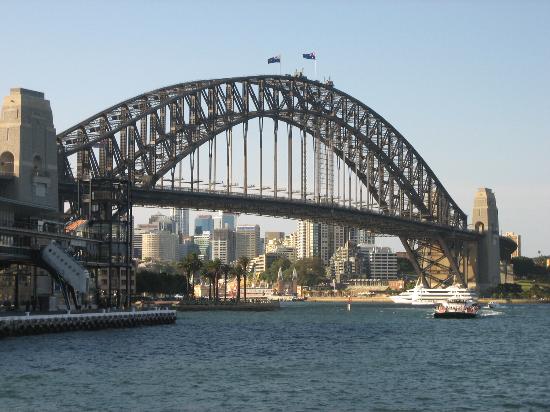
x: 283, y: 146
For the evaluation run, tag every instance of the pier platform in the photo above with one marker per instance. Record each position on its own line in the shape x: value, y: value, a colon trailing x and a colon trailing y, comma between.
x: 30, y: 324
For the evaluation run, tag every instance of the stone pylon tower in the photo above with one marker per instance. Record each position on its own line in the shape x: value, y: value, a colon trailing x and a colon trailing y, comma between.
x: 28, y: 150
x: 485, y: 221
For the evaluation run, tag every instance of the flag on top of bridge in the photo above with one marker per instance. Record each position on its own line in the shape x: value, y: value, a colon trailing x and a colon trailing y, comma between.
x: 274, y: 59
x: 309, y: 56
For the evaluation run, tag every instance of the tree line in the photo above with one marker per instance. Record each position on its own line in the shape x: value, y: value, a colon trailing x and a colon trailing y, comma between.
x: 181, y: 277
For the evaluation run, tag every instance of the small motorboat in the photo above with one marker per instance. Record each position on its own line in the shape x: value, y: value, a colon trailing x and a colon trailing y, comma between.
x: 457, y: 309
x: 493, y: 305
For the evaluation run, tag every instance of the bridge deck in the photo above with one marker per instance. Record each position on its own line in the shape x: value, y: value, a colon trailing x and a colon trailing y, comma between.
x: 297, y: 209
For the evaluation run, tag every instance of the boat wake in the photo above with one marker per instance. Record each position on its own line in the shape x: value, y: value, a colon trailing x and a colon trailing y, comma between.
x: 485, y: 312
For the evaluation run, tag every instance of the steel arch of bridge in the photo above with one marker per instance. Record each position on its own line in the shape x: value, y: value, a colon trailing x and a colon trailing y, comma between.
x: 145, y: 137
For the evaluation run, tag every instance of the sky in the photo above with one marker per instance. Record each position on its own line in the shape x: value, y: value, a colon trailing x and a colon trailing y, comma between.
x: 466, y: 82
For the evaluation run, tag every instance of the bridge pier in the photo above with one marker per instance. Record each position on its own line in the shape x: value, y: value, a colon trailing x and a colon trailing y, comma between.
x: 474, y: 263
x: 437, y: 259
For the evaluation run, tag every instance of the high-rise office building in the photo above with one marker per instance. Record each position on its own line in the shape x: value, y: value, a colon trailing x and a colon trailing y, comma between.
x: 223, y: 245
x: 361, y: 237
x: 159, y: 246
x: 382, y: 263
x: 318, y: 239
x: 291, y: 240
x: 349, y: 262
x: 187, y: 246
x: 163, y: 223
x: 204, y: 223
x: 223, y: 220
x: 203, y: 241
x: 274, y: 235
x: 137, y: 242
x: 137, y: 238
x: 248, y: 242
x: 181, y: 221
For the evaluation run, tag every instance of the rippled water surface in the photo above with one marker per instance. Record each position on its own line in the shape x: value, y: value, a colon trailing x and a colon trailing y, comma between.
x: 307, y: 356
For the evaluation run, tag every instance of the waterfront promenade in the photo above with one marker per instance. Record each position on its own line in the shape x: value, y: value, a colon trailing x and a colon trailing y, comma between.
x: 31, y: 324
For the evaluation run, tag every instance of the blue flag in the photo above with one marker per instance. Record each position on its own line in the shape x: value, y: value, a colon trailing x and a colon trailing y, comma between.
x: 309, y: 56
x: 275, y: 59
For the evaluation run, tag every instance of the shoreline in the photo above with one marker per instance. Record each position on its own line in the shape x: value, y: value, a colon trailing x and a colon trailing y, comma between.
x: 387, y: 299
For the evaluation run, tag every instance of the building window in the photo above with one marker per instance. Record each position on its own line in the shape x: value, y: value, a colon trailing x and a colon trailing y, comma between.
x: 37, y: 164
x: 6, y: 163
x: 480, y: 227
x: 40, y: 189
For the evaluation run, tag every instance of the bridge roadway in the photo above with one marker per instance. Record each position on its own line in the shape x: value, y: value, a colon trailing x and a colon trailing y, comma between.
x: 292, y: 209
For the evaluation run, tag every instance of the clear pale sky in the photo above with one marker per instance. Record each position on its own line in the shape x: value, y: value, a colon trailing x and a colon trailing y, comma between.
x: 466, y: 82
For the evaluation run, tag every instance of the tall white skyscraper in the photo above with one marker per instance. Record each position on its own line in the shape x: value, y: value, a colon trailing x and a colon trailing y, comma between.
x: 223, y: 245
x: 181, y: 221
x: 318, y: 239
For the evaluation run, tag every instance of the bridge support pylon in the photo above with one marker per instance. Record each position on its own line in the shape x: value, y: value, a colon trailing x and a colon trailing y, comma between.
x: 486, y: 252
x: 439, y: 260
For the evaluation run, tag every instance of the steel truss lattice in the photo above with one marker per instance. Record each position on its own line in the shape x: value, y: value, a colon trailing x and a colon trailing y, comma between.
x: 146, y: 137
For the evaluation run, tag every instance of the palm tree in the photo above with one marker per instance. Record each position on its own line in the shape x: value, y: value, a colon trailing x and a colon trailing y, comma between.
x: 206, y: 273
x: 190, y: 265
x: 237, y: 271
x: 226, y: 270
x: 243, y: 265
x: 215, y: 267
x: 211, y: 271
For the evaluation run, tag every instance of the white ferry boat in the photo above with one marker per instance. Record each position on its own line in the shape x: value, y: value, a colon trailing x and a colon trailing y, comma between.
x: 422, y: 294
x: 456, y: 308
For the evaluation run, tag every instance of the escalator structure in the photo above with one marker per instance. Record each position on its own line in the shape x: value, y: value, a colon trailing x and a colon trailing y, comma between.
x: 73, y: 278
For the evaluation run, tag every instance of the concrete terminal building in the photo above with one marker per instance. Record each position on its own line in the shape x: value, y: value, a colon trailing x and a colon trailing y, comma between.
x: 28, y: 187
x: 31, y: 217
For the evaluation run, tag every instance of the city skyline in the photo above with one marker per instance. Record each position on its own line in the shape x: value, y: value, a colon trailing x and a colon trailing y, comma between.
x: 420, y: 82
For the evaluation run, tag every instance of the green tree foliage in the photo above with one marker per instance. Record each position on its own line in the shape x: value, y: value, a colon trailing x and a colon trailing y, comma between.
x: 270, y: 275
x: 538, y: 292
x: 404, y: 265
x: 160, y: 283
x: 225, y: 271
x: 242, y: 263
x: 527, y: 268
x: 211, y: 271
x: 162, y: 267
x: 190, y: 265
x: 508, y: 291
x: 311, y: 271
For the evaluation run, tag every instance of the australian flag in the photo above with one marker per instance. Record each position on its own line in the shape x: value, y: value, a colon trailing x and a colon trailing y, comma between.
x: 309, y: 56
x: 276, y: 59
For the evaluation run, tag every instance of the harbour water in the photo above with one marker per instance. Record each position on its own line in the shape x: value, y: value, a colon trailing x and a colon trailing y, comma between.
x: 307, y: 356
